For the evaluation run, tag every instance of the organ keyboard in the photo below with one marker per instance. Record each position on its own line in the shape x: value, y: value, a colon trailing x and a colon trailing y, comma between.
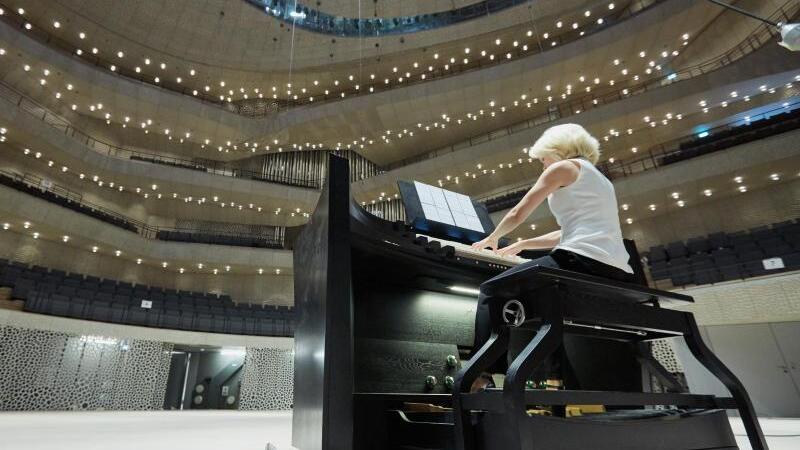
x: 468, y: 253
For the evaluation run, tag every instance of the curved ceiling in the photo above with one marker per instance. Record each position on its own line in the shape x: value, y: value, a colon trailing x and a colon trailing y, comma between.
x: 223, y: 36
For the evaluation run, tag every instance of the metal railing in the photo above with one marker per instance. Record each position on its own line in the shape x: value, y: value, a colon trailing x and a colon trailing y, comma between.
x: 660, y: 154
x: 762, y: 35
x: 63, y: 196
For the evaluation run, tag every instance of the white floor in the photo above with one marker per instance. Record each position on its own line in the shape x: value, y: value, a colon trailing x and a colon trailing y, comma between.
x: 214, y: 430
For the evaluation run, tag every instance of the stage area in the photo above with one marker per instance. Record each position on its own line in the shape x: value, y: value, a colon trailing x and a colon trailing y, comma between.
x: 212, y: 430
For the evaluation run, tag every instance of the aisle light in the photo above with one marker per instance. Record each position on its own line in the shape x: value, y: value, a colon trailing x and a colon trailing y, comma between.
x: 465, y: 290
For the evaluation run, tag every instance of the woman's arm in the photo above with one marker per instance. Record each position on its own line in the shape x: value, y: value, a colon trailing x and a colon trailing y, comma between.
x: 545, y: 241
x: 560, y: 174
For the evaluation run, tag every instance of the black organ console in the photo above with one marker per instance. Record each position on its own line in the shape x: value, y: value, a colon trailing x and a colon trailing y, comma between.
x: 384, y: 357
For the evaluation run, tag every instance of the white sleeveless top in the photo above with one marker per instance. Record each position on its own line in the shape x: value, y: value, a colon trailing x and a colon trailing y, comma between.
x: 586, y: 210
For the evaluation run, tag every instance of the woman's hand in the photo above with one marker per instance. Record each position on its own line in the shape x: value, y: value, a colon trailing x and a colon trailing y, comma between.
x: 510, y: 250
x: 488, y: 242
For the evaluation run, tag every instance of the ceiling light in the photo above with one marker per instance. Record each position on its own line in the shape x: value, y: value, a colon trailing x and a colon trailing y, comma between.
x: 774, y: 177
x: 742, y: 188
x: 738, y: 179
x: 629, y: 221
x: 675, y: 195
x: 707, y: 192
x: 65, y: 238
x: 681, y: 203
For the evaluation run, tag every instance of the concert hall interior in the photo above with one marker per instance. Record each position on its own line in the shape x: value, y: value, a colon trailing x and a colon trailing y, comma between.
x: 401, y: 225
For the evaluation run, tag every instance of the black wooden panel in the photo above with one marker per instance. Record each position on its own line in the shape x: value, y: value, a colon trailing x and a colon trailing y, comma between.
x: 401, y: 366
x: 323, y: 381
x: 408, y: 314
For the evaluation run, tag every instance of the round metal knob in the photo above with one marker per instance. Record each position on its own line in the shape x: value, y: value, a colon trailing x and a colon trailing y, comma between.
x: 449, y: 382
x: 430, y: 381
x: 452, y: 361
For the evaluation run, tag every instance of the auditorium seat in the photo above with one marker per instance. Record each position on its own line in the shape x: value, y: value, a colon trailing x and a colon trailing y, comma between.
x: 235, y: 325
x: 676, y: 250
x: 657, y: 254
x: 792, y: 261
x: 77, y: 307
x: 698, y: 245
x: 59, y: 305
x: 170, y: 318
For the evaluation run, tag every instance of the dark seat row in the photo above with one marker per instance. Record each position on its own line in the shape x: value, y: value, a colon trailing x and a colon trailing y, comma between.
x: 211, y: 320
x: 130, y: 225
x: 727, y: 256
x: 779, y: 123
x: 88, y: 297
x: 720, y: 140
x: 219, y: 239
x: 67, y: 202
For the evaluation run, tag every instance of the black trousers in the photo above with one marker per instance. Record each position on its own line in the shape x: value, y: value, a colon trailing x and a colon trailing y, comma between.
x: 557, y: 366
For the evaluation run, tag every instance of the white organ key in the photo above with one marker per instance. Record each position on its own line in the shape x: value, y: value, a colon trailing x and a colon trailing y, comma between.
x: 468, y: 251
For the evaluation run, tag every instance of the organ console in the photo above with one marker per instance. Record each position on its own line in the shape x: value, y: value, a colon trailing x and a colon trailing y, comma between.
x: 384, y: 357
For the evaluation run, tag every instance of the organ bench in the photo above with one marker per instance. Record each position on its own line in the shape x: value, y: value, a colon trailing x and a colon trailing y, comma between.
x: 555, y: 302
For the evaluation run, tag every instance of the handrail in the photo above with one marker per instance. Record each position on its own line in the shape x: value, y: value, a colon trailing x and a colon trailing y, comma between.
x: 265, y: 106
x: 137, y: 226
x: 558, y: 111
x: 653, y: 157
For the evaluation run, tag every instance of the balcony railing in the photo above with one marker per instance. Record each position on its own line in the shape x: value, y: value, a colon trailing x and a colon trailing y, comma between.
x: 266, y: 106
x: 659, y: 155
x: 65, y: 197
x: 54, y: 120
x: 762, y: 35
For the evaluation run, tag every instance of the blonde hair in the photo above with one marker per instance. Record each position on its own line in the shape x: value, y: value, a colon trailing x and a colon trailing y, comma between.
x: 566, y: 141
